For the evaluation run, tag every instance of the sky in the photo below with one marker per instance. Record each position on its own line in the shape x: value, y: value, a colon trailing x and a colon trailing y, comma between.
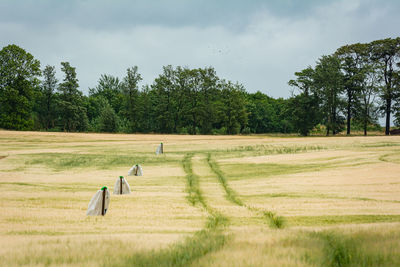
x: 260, y: 44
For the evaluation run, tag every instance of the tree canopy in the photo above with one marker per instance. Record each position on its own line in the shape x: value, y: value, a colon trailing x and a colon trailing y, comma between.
x: 348, y: 90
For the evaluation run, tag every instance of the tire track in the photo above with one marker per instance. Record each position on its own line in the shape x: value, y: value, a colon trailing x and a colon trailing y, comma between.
x: 274, y: 220
x: 211, y: 238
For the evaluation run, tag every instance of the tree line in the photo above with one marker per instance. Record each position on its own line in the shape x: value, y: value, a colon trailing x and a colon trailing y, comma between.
x: 350, y: 88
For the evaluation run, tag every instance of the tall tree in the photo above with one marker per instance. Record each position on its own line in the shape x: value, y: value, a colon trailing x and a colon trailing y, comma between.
x: 329, y: 83
x: 71, y: 107
x: 232, y: 107
x: 354, y: 65
x: 208, y: 96
x: 164, y: 106
x: 367, y: 112
x: 110, y: 88
x: 386, y: 53
x: 130, y: 88
x: 304, y: 109
x: 48, y: 88
x: 19, y: 73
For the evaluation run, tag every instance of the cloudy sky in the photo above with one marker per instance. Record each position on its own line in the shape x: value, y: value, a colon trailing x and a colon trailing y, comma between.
x: 257, y: 43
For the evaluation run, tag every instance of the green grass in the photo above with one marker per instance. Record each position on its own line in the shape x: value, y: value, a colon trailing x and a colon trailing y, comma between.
x: 339, y: 219
x: 68, y: 161
x: 356, y: 249
x: 313, y: 196
x: 210, y: 239
x: 203, y: 242
x: 243, y: 171
x: 393, y: 158
x: 230, y: 194
x: 275, y: 221
x: 260, y: 150
x: 193, y: 187
x: 381, y: 144
x: 18, y: 186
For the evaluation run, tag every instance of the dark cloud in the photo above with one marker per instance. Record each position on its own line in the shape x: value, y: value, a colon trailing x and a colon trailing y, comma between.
x: 258, y: 43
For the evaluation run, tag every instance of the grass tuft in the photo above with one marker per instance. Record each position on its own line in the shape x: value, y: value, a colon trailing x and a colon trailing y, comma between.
x: 275, y: 221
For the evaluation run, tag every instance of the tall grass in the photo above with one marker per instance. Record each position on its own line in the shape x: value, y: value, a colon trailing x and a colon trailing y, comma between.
x: 193, y: 187
x: 259, y: 150
x: 275, y: 221
x: 203, y: 242
x: 356, y: 249
x: 67, y: 161
x: 230, y: 194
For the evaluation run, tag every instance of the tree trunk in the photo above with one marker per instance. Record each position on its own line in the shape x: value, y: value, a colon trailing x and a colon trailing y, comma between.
x: 365, y: 127
x: 388, y: 108
x: 348, y: 113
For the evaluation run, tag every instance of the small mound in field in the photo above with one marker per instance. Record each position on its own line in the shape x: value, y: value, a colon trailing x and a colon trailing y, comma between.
x: 2, y: 157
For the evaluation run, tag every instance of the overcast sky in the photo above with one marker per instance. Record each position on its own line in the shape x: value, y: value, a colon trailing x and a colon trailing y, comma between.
x: 257, y: 43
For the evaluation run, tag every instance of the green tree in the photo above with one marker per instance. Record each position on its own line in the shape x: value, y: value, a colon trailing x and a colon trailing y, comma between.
x: 304, y: 109
x: 108, y: 119
x: 165, y: 101
x: 111, y: 89
x: 47, y: 100
x: 130, y: 89
x: 329, y: 82
x: 354, y: 65
x: 146, y: 110
x: 19, y: 73
x: 208, y: 96
x: 264, y: 114
x: 386, y: 54
x: 72, y: 112
x: 232, y: 107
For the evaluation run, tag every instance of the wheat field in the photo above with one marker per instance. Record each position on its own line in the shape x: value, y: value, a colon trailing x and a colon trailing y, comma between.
x: 207, y: 201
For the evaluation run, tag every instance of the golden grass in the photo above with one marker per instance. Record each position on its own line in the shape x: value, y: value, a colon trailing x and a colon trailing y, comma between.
x: 334, y: 193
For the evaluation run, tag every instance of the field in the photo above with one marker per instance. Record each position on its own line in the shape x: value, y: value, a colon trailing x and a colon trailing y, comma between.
x: 208, y: 201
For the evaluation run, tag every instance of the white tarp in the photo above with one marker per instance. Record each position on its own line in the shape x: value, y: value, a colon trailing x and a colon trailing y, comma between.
x: 125, y: 186
x: 136, y: 170
x: 160, y: 149
x: 96, y: 203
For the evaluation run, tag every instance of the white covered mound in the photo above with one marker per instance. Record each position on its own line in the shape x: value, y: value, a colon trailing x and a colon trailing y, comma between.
x: 136, y: 170
x: 160, y: 149
x: 96, y: 203
x: 121, y: 186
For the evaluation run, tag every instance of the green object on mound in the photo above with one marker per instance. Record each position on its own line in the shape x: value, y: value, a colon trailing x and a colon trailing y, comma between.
x: 104, y: 187
x: 121, y: 177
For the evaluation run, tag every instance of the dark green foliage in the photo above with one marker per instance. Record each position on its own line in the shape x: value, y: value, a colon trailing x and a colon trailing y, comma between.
x: 266, y: 114
x: 386, y: 53
x: 130, y: 100
x: 18, y: 83
x: 304, y: 112
x: 341, y: 88
x: 72, y: 112
x: 231, y: 109
x: 329, y: 82
x: 108, y: 120
x: 44, y: 108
